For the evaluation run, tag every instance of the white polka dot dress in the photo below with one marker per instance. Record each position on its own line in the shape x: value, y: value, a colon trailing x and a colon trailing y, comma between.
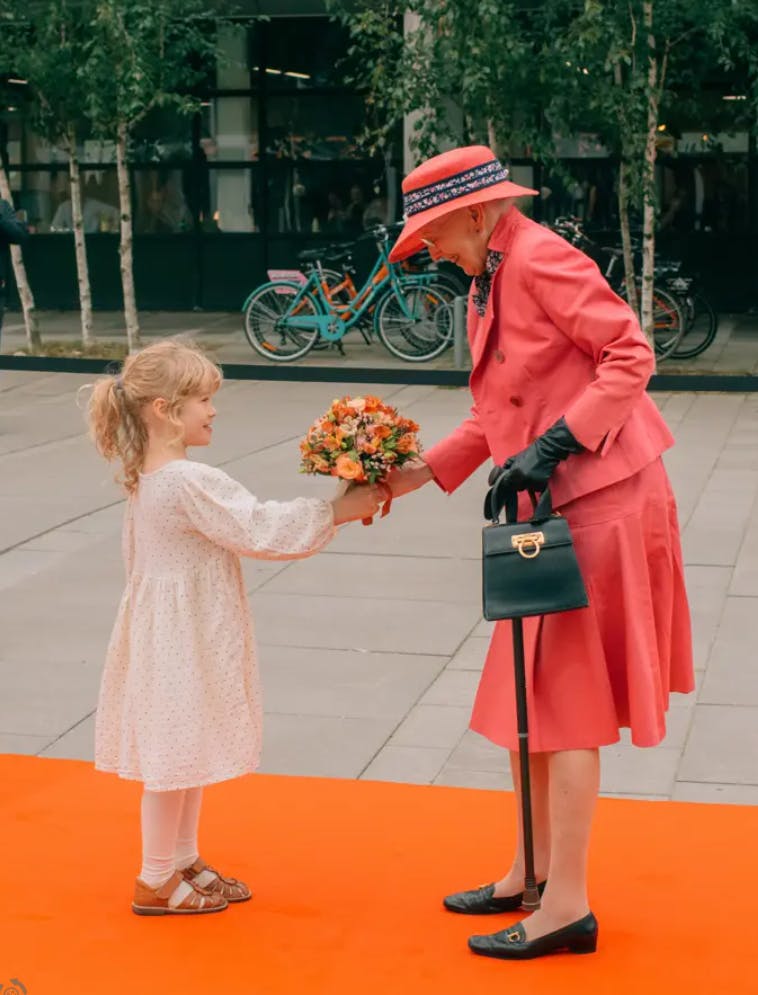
x: 180, y: 700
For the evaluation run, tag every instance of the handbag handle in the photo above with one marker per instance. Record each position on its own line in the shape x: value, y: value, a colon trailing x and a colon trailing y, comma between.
x: 496, y: 499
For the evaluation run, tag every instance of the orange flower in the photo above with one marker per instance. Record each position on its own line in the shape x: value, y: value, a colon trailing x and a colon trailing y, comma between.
x: 320, y: 465
x: 380, y: 431
x: 348, y: 469
x: 405, y: 443
x: 331, y: 444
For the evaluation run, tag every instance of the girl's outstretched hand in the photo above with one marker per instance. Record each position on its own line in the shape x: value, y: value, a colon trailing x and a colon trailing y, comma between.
x: 359, y: 501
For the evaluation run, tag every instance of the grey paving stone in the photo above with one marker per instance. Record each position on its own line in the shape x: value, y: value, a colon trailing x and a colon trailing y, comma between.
x: 46, y: 697
x: 629, y: 770
x: 13, y: 742
x: 732, y: 674
x: 721, y: 794
x: 344, y: 683
x: 410, y: 764
x: 474, y: 752
x: 398, y: 626
x: 722, y: 746
x: 432, y: 725
x: 745, y: 576
x: 76, y: 744
x: 321, y: 745
x: 471, y: 655
x: 389, y: 575
x: 487, y: 780
x: 706, y: 590
x: 453, y: 687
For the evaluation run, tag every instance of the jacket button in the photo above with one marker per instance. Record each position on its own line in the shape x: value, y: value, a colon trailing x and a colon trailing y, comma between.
x: 499, y: 357
x: 516, y: 401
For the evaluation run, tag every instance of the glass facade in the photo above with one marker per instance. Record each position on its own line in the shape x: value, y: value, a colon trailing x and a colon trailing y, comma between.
x: 271, y: 163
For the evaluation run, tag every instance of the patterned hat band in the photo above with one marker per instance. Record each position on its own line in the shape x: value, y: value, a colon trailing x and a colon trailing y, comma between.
x: 457, y: 185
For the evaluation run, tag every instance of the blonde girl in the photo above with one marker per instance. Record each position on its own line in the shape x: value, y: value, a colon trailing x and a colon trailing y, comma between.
x: 179, y: 703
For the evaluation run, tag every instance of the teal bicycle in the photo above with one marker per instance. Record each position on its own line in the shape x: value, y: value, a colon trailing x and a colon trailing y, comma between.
x: 284, y: 319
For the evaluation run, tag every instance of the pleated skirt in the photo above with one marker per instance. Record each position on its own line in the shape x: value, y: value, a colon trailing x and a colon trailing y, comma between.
x: 592, y: 671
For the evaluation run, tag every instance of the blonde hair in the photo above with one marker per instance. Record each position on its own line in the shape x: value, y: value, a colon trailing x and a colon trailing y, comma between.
x: 171, y: 369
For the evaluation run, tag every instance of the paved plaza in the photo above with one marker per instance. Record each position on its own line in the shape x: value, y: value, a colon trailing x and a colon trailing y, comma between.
x: 371, y: 651
x: 734, y: 350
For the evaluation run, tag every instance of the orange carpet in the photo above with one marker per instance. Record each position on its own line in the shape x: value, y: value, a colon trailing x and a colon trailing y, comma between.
x: 348, y: 878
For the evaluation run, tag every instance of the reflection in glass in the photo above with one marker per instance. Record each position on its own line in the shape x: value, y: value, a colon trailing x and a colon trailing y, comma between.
x: 342, y: 200
x: 161, y: 203
x: 314, y: 127
x: 302, y: 53
x: 46, y: 198
x: 228, y: 201
x: 229, y: 129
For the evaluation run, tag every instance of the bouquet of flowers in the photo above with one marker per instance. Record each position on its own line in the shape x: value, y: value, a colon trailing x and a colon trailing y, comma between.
x: 359, y: 440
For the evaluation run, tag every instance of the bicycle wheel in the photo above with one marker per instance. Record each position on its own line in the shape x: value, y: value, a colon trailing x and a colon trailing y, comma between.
x: 700, y: 326
x: 447, y: 287
x: 271, y: 321
x: 414, y: 323
x: 668, y: 323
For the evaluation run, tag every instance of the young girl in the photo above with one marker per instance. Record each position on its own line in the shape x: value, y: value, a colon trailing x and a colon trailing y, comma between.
x: 180, y: 702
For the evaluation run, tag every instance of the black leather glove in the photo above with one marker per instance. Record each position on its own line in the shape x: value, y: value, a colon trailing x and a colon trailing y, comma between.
x: 532, y: 468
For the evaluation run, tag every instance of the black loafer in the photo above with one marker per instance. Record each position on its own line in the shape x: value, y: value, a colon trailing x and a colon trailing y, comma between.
x: 481, y: 901
x: 579, y: 937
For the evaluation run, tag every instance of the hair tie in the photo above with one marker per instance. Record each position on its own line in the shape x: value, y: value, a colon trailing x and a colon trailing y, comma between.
x: 120, y: 384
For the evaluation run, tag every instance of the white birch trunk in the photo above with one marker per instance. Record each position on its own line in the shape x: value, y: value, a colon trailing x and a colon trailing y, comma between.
x: 127, y: 268
x: 82, y: 267
x: 648, y: 192
x: 33, y: 337
x: 630, y: 276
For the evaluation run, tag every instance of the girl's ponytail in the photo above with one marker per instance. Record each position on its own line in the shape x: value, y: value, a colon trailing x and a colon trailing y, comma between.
x: 116, y: 428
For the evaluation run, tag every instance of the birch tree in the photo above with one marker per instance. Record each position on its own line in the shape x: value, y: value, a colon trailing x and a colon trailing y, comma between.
x: 623, y: 66
x: 46, y: 42
x: 141, y: 54
x: 31, y: 323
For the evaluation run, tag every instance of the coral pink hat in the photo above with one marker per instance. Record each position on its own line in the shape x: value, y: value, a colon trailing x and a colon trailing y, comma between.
x: 457, y: 178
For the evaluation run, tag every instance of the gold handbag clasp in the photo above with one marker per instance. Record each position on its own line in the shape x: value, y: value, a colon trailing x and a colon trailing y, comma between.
x: 528, y: 544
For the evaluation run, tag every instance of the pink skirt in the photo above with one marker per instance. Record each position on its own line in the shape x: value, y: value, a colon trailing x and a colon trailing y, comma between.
x: 592, y: 671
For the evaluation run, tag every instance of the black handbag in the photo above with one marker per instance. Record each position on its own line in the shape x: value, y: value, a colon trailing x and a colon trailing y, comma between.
x: 528, y: 568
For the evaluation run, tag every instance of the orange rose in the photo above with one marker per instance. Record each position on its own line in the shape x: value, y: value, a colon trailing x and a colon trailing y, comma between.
x: 380, y: 431
x: 348, y: 469
x: 406, y: 443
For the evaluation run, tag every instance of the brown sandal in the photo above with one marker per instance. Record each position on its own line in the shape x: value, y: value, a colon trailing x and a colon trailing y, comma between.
x: 155, y: 901
x: 229, y: 888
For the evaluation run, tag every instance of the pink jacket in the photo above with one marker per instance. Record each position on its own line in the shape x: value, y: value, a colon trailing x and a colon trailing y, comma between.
x: 554, y: 341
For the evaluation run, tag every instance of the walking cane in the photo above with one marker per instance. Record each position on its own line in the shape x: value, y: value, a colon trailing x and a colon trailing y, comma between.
x: 531, y: 899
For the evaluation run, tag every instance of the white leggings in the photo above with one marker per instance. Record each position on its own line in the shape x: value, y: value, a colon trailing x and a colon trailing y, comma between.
x: 169, y: 833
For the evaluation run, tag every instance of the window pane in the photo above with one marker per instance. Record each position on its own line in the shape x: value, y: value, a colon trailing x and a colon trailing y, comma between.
x: 303, y: 52
x: 46, y: 198
x: 582, y: 188
x: 229, y: 129
x: 163, y: 134
x: 335, y: 198
x: 229, y: 200
x: 161, y: 203
x: 11, y: 133
x: 314, y: 127
x: 236, y: 43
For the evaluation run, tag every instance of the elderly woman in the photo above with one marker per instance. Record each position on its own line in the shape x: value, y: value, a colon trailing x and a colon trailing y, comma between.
x: 559, y: 370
